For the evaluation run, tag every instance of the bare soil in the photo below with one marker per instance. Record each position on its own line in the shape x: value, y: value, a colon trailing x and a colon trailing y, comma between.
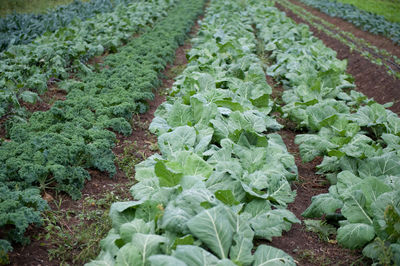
x: 370, y: 79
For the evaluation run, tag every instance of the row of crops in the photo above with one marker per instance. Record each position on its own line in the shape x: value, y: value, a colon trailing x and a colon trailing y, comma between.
x: 24, y: 28
x: 365, y: 20
x: 26, y: 69
x: 54, y: 148
x: 375, y: 55
x: 357, y: 137
x: 219, y: 189
x: 220, y: 182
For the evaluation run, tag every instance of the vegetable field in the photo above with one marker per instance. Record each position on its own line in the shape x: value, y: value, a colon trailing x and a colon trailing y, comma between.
x: 187, y: 132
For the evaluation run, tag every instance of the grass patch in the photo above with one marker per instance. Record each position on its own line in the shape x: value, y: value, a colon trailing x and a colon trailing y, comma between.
x: 313, y: 258
x: 175, y: 71
x: 73, y: 235
x: 131, y: 156
x: 390, y: 9
x: 31, y: 6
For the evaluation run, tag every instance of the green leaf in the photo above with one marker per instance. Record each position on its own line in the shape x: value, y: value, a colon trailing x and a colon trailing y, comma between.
x: 392, y: 218
x: 354, y: 208
x: 227, y: 197
x: 359, y: 147
x: 322, y: 204
x: 312, y: 146
x: 194, y: 165
x: 164, y: 260
x: 159, y: 126
x: 387, y: 164
x: 214, y: 229
x: 196, y: 256
x: 123, y: 212
x: 129, y: 255
x: 346, y: 182
x: 355, y: 235
x: 147, y: 245
x: 241, y: 251
x: 167, y: 177
x: 105, y: 259
x: 185, y: 240
x: 127, y: 230
x: 267, y: 255
x: 271, y: 223
x: 396, y: 253
x: 379, y: 208
x: 234, y: 106
x: 181, y: 138
x: 372, y: 188
x: 257, y: 206
x: 186, y: 205
x: 29, y: 97
x: 179, y: 115
x: 374, y: 250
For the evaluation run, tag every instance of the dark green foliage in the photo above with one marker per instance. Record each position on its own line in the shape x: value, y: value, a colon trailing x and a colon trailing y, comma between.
x: 26, y: 69
x: 18, y: 209
x: 5, y: 247
x: 365, y: 20
x: 24, y: 28
x: 53, y: 149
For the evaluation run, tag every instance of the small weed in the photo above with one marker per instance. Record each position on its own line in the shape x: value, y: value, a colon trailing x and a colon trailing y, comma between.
x: 136, y: 123
x: 131, y: 156
x: 175, y: 71
x: 321, y: 228
x: 164, y: 92
x: 313, y: 258
x: 153, y: 145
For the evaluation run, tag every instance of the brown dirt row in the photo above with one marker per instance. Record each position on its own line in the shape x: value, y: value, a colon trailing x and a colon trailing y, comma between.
x: 37, y: 252
x: 370, y: 79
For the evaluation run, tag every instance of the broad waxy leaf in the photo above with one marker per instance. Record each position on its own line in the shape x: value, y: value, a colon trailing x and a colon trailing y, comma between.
x: 226, y: 196
x: 267, y: 255
x: 355, y: 235
x: 180, y: 138
x: 129, y: 255
x: 214, y: 229
x: 164, y: 260
x: 193, y: 255
x: 127, y: 230
x: 167, y: 177
x: 241, y: 251
x: 272, y: 223
x: 322, y: 204
x: 186, y: 205
x: 387, y: 164
x: 355, y: 209
x: 147, y: 245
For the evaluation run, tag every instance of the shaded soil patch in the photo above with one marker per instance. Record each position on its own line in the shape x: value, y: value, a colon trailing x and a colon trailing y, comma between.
x: 371, y: 79
x: 37, y: 253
